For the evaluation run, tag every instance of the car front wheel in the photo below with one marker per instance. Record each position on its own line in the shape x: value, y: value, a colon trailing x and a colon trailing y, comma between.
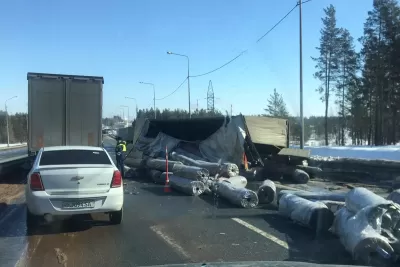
x: 116, y: 217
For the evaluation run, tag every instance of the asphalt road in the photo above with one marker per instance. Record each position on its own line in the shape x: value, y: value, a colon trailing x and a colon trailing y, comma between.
x: 162, y: 228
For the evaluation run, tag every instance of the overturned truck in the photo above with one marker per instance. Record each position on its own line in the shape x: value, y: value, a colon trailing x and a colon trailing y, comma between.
x: 260, y: 143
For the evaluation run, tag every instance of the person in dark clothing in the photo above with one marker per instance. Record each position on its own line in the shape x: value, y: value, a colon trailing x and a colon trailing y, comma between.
x: 120, y: 156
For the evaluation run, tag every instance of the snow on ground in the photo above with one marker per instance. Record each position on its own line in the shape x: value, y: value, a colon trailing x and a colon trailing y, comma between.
x: 359, y: 152
x: 11, y: 145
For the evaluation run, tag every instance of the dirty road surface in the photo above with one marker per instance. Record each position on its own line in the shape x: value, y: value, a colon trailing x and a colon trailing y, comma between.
x: 158, y: 228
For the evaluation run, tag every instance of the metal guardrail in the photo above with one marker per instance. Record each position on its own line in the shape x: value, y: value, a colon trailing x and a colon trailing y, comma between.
x: 11, y: 164
x: 12, y: 147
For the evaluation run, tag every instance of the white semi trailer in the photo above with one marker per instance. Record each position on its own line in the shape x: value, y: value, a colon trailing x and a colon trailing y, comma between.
x: 64, y: 110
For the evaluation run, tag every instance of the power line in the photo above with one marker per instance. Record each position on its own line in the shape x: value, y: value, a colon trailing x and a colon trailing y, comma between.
x: 227, y: 63
x: 239, y: 55
x: 173, y: 92
x: 259, y: 39
x: 279, y: 22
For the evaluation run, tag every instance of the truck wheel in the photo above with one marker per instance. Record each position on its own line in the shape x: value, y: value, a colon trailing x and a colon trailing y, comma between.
x: 116, y: 217
x: 300, y: 177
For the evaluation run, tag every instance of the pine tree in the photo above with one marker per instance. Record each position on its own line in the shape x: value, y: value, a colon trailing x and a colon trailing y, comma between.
x: 347, y: 67
x: 276, y: 106
x: 380, y: 74
x: 327, y: 62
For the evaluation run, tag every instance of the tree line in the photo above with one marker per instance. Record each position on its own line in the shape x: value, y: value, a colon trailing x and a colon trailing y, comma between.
x: 17, y: 125
x: 364, y: 85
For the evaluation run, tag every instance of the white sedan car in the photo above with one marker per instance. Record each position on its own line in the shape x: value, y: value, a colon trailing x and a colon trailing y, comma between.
x: 71, y: 180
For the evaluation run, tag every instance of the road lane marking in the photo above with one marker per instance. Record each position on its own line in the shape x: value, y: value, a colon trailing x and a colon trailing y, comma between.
x: 274, y: 239
x: 28, y: 253
x: 9, y: 214
x: 170, y: 241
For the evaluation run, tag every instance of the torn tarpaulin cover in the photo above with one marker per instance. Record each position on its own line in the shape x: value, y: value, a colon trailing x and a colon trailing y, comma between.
x: 225, y: 144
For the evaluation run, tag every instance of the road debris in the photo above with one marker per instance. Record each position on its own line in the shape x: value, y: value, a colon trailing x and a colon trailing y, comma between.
x: 242, y: 197
x: 314, y: 215
x: 266, y: 192
x: 369, y: 227
x: 187, y: 186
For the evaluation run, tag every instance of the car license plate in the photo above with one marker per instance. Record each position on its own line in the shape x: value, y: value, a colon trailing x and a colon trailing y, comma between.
x: 78, y: 204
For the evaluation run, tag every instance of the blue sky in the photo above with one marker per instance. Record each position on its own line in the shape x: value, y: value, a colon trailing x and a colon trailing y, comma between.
x: 126, y: 42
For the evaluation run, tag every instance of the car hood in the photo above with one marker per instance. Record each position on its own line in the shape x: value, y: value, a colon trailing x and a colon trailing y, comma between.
x: 256, y: 264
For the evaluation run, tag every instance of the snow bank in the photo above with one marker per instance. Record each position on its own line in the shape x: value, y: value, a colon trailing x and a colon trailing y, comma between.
x: 359, y: 152
x: 11, y: 145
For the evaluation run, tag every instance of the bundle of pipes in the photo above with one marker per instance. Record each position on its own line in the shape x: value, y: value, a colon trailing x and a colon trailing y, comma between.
x: 135, y: 163
x: 369, y: 227
x: 158, y: 177
x: 161, y: 164
x: 155, y: 176
x: 187, y: 186
x: 266, y: 192
x: 229, y: 170
x: 314, y: 215
x: 193, y: 176
x: 222, y: 169
x: 211, y: 167
x: 242, y: 197
x: 322, y: 196
x: 300, y: 176
x: 190, y: 172
x: 253, y: 174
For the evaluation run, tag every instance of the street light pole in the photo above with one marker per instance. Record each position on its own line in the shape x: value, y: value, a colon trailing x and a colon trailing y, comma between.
x: 8, y: 129
x: 154, y: 98
x: 301, y: 79
x: 123, y: 113
x: 136, y: 110
x: 188, y: 77
x: 128, y: 111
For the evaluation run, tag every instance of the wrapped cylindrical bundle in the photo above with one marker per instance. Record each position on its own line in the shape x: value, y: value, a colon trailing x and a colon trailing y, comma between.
x: 160, y: 164
x: 213, y: 168
x: 187, y: 186
x: 237, y: 181
x: 229, y: 170
x: 359, y: 237
x: 266, y: 192
x: 300, y: 176
x: 314, y: 215
x: 154, y: 175
x: 135, y: 163
x: 242, y: 197
x: 359, y: 198
x: 190, y: 172
x: 315, y: 195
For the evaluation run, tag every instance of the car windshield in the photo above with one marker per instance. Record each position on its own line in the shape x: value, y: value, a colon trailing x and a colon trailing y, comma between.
x: 73, y: 157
